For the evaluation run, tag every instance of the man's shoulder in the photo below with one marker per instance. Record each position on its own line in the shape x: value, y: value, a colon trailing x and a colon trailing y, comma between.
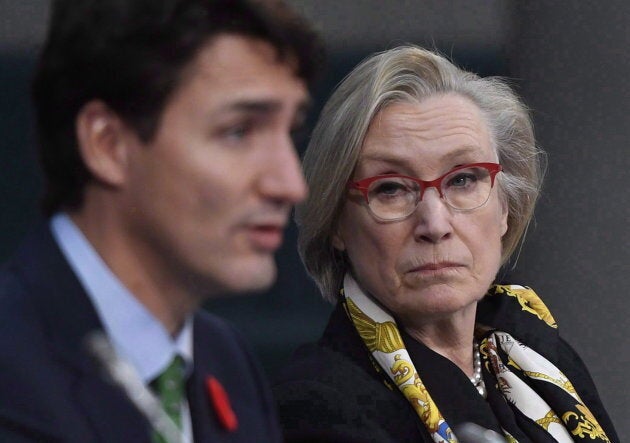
x: 210, y: 327
x: 222, y: 353
x: 12, y: 279
x: 18, y: 312
x: 27, y: 383
x: 36, y: 258
x: 11, y: 286
x: 220, y: 345
x: 35, y: 280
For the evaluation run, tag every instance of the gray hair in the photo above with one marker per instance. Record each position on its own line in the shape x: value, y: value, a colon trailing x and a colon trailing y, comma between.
x: 407, y: 74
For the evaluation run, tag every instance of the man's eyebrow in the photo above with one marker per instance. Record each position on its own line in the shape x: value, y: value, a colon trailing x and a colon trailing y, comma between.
x: 254, y: 106
x: 264, y: 106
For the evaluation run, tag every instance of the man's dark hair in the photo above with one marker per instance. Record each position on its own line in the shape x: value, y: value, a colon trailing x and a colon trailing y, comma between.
x: 130, y: 54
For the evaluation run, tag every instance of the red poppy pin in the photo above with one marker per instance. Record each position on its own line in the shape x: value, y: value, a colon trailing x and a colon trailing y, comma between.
x: 221, y: 403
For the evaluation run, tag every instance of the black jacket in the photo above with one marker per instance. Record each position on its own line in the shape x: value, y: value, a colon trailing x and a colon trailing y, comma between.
x: 331, y: 391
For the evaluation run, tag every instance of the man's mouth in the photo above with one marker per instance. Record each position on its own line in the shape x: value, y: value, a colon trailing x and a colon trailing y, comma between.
x: 266, y: 237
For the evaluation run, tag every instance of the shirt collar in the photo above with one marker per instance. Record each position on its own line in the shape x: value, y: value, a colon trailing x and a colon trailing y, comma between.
x: 137, y: 336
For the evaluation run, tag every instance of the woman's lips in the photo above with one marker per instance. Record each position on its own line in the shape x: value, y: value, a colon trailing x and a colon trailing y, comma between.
x: 437, y: 266
x: 436, y: 269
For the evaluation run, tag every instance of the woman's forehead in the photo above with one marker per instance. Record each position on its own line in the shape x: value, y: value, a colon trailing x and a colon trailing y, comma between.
x: 441, y: 130
x: 433, y: 117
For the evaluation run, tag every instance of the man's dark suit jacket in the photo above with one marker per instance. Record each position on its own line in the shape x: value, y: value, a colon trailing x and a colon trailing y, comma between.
x: 52, y: 390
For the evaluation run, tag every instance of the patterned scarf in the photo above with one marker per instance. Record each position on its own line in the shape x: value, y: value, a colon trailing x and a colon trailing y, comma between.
x: 532, y: 385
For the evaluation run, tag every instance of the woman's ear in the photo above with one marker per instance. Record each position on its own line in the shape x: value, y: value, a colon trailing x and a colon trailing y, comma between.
x: 337, y: 241
x: 504, y: 216
x: 102, y: 138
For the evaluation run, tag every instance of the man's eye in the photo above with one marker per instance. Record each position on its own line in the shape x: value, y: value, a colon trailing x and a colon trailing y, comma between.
x: 236, y: 132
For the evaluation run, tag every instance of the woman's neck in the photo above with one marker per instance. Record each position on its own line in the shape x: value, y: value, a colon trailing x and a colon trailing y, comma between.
x: 450, y: 337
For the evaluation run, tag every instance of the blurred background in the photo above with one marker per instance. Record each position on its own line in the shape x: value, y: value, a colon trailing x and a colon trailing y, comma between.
x: 568, y: 59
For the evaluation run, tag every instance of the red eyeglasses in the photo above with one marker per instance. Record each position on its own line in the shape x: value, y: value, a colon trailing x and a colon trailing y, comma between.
x: 393, y: 197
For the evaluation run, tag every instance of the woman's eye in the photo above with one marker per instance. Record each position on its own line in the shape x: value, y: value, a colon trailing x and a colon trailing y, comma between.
x: 390, y: 188
x: 462, y: 180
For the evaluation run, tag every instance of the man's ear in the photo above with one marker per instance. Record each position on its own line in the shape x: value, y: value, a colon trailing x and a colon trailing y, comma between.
x: 103, y: 142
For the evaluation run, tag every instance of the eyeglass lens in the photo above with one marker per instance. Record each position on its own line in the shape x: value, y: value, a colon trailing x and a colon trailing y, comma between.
x: 392, y: 198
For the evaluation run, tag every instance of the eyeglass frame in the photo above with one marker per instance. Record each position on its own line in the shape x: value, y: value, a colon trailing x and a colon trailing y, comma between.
x: 363, y: 186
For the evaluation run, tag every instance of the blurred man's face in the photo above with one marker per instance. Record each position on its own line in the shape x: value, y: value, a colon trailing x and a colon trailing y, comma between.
x: 209, y: 196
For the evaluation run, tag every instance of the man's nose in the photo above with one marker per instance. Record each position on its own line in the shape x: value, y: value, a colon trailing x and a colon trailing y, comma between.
x: 283, y: 180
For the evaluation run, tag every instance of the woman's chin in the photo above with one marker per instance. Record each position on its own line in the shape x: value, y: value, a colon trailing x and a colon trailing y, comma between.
x: 436, y: 300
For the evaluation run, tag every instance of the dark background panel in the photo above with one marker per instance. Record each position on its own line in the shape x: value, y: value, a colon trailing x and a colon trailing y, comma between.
x: 572, y: 62
x: 19, y: 178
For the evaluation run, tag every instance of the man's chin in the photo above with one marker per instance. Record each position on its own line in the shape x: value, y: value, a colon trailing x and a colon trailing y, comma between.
x: 255, y: 277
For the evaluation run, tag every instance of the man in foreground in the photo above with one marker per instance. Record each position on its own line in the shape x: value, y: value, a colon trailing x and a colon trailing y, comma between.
x: 164, y: 131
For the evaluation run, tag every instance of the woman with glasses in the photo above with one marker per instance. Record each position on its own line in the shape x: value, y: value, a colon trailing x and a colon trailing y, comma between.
x: 423, y: 179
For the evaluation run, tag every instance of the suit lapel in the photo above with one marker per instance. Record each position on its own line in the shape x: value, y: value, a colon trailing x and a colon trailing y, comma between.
x: 68, y: 314
x: 200, y: 412
x: 210, y: 361
x: 204, y: 420
x: 109, y: 413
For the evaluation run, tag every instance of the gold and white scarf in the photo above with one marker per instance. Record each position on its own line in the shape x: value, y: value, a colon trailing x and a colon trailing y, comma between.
x: 510, y: 361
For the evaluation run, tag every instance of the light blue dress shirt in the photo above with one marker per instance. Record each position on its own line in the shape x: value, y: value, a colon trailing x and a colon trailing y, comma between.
x: 136, y: 335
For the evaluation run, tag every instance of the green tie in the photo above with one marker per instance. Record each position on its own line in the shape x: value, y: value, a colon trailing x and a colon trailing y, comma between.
x: 169, y: 387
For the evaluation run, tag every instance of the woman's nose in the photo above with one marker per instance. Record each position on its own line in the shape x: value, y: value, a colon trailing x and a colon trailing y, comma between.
x: 433, y: 218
